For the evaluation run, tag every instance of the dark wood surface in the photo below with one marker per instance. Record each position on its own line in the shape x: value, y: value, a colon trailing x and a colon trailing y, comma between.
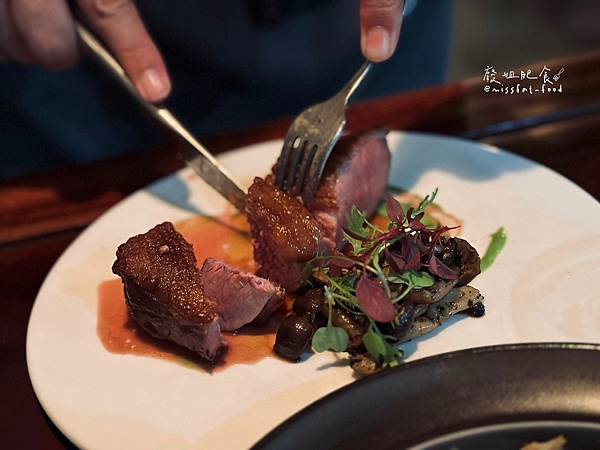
x: 41, y: 214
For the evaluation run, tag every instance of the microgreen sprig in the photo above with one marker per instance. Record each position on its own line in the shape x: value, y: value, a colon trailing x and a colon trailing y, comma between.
x: 330, y: 337
x: 381, y: 269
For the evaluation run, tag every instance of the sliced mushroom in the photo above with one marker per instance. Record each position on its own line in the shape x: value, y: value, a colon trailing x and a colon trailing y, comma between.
x: 469, y: 261
x: 431, y: 294
x: 460, y: 299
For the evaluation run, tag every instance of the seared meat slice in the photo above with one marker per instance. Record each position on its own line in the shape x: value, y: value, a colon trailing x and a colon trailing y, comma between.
x: 240, y: 297
x: 163, y: 290
x: 285, y: 234
x: 356, y: 174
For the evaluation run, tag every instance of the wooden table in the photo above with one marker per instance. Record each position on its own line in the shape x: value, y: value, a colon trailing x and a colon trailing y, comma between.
x: 40, y: 215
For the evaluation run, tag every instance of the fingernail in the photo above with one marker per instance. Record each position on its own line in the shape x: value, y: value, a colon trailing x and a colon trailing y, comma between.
x: 376, y: 44
x: 153, y: 86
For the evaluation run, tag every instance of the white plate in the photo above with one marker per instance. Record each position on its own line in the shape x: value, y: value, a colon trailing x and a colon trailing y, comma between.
x: 540, y: 289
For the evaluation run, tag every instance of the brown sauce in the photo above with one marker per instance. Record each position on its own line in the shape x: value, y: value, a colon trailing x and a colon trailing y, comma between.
x: 224, y: 238
x: 380, y: 222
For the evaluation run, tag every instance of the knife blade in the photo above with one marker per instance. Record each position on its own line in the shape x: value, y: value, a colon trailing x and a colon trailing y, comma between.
x: 204, y: 163
x: 194, y: 153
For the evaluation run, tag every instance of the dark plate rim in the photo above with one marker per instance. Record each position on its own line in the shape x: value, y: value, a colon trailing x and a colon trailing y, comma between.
x: 283, y: 427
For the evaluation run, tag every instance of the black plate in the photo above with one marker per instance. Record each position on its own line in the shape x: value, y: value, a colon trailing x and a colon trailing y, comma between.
x: 492, y: 397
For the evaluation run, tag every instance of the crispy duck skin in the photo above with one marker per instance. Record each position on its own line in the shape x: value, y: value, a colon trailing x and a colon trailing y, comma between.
x: 284, y: 233
x: 163, y: 291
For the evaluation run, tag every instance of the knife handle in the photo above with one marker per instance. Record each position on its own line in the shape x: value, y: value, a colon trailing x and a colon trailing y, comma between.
x: 230, y: 189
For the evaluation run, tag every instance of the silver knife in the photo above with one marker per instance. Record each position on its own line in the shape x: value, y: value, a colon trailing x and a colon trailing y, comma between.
x: 195, y: 154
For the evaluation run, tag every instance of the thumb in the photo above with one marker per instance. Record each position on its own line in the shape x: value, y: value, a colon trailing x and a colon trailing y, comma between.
x: 380, y: 22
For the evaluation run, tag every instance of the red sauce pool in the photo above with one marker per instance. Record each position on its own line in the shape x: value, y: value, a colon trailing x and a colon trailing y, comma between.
x: 224, y: 238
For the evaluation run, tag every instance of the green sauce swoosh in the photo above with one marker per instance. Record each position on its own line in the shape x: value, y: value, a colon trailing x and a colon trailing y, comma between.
x: 496, y: 245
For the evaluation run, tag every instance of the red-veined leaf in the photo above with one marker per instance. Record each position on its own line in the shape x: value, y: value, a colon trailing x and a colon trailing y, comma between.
x: 396, y: 261
x: 437, y: 267
x: 394, y: 209
x: 410, y: 254
x: 374, y: 301
x: 415, y: 222
x: 437, y: 234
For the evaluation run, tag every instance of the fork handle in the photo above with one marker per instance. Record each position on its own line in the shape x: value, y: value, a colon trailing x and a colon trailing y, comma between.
x: 347, y: 91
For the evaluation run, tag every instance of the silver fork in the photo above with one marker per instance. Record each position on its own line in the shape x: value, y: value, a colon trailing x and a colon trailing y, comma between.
x: 311, y: 138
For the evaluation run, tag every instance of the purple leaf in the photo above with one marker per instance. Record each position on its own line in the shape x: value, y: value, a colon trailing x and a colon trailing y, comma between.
x: 373, y: 300
x: 415, y: 222
x: 421, y: 246
x: 394, y: 209
x: 439, y: 232
x: 437, y: 267
x: 410, y: 254
x: 409, y: 257
x: 391, y: 234
x: 432, y: 237
x: 396, y: 261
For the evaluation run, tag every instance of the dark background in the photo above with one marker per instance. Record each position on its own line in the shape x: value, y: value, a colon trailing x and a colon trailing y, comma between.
x: 511, y: 33
x: 506, y: 34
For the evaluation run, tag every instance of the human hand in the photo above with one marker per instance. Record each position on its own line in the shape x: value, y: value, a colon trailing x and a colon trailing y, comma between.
x: 380, y: 22
x: 43, y: 32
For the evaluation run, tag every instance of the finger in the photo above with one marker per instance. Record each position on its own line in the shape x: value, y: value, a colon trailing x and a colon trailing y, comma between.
x: 120, y: 26
x: 11, y: 44
x: 46, y: 27
x: 380, y: 22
